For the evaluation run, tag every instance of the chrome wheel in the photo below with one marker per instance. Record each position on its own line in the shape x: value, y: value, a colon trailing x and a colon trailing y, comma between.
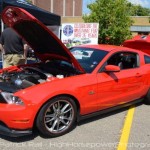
x: 57, y: 116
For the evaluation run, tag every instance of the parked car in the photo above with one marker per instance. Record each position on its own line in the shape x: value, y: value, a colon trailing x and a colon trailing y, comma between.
x: 67, y: 85
x: 140, y: 42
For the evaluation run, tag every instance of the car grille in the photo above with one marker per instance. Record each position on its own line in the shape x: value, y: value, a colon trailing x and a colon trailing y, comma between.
x: 2, y: 100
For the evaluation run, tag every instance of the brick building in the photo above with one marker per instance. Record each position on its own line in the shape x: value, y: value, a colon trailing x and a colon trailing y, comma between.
x: 64, y: 8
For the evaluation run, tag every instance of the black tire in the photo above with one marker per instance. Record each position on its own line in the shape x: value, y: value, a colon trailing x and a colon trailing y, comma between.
x: 57, y: 116
x: 147, y: 98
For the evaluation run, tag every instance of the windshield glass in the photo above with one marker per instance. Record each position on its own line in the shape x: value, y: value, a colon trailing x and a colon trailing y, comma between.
x: 88, y: 58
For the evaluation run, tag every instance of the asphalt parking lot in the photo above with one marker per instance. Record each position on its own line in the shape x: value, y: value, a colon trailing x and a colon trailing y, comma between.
x: 99, y: 133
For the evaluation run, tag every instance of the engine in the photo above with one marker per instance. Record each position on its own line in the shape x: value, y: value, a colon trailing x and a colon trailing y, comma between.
x: 29, y: 76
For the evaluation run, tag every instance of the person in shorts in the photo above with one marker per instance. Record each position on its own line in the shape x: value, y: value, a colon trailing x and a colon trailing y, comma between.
x: 13, y: 47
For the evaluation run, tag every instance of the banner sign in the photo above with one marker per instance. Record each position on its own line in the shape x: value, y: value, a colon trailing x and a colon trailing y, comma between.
x: 79, y: 33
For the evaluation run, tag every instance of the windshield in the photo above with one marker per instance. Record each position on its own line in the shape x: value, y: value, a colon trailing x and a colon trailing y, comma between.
x: 88, y: 58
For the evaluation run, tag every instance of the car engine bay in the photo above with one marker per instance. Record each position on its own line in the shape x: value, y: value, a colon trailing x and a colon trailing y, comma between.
x: 35, y: 74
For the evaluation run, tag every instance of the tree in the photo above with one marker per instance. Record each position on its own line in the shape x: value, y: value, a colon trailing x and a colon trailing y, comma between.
x: 113, y: 18
x: 29, y: 1
x: 138, y: 10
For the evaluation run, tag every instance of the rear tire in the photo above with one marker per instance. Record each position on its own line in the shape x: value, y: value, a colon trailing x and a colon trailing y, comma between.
x: 147, y: 98
x: 57, y: 116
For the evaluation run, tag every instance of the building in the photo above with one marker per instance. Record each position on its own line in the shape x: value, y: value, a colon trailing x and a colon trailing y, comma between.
x: 141, y: 25
x: 61, y: 7
x: 69, y: 10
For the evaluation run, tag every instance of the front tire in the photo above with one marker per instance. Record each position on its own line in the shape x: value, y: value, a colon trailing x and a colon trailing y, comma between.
x: 57, y: 116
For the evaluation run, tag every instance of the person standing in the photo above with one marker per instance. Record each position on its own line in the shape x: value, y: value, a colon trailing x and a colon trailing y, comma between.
x: 13, y: 47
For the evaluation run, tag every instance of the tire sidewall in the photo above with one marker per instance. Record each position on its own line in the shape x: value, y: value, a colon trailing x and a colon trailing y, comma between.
x: 147, y: 98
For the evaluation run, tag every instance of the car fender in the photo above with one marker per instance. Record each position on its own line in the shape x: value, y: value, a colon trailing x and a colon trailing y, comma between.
x: 76, y: 86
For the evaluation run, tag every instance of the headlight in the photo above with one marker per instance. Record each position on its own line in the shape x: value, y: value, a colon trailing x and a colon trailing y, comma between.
x: 11, y: 99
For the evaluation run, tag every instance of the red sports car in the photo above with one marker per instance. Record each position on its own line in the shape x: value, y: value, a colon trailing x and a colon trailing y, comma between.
x: 66, y: 85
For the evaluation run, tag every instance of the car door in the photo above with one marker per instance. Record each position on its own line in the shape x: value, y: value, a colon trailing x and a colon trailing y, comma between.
x: 116, y: 88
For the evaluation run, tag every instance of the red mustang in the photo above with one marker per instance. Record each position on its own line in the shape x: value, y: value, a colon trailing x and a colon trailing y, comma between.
x: 66, y: 85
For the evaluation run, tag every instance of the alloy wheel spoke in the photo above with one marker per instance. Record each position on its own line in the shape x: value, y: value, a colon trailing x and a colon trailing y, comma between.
x: 49, y: 116
x: 58, y: 106
x: 67, y: 110
x: 54, y: 124
x: 64, y: 108
x: 64, y: 122
x: 58, y: 122
x: 66, y: 118
x: 49, y: 120
x: 54, y: 108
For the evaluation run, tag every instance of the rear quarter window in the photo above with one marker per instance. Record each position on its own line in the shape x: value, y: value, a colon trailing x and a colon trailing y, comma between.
x: 147, y: 59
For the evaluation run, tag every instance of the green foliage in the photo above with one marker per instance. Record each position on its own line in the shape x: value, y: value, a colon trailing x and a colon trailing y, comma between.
x: 137, y: 10
x: 29, y: 1
x: 113, y: 18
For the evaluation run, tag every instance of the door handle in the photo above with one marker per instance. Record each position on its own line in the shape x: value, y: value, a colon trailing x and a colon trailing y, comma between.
x: 138, y: 75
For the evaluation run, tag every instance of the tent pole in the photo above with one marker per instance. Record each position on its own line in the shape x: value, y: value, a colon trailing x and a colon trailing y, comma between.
x: 2, y: 26
x: 2, y: 29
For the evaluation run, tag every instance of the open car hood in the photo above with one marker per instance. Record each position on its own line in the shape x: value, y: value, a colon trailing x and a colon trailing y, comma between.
x: 43, y: 41
x: 139, y: 42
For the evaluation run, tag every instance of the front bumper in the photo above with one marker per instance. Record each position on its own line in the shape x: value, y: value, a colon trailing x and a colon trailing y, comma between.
x: 16, y: 120
x: 4, y: 130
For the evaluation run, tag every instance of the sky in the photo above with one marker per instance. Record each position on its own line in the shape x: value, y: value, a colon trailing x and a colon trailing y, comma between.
x: 143, y: 3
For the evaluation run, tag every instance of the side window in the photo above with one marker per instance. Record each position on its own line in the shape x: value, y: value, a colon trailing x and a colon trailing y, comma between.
x: 147, y: 59
x: 125, y: 60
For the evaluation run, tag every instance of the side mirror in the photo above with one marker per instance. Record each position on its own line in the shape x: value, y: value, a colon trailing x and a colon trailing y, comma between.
x: 112, y: 68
